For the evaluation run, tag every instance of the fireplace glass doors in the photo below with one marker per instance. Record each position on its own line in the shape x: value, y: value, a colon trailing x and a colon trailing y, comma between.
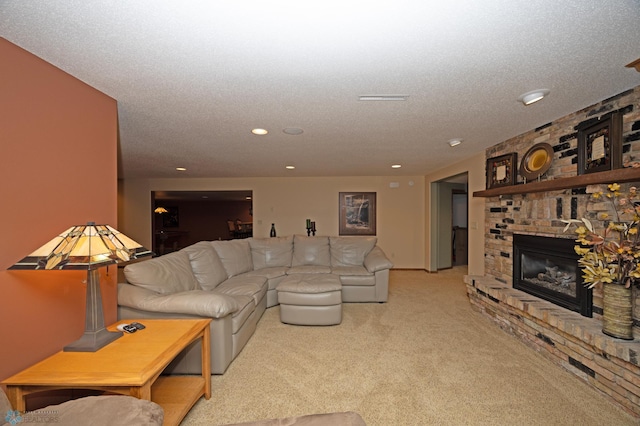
x: 547, y: 267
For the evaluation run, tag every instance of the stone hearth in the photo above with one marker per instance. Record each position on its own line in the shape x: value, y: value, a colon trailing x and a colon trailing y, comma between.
x: 566, y: 338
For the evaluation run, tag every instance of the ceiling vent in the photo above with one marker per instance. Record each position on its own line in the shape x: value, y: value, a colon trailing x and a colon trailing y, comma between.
x: 383, y: 97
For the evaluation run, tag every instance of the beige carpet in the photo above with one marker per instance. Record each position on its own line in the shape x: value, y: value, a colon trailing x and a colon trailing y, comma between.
x: 425, y: 357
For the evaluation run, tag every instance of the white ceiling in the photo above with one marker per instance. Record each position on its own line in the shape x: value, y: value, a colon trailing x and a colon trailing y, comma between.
x: 192, y: 78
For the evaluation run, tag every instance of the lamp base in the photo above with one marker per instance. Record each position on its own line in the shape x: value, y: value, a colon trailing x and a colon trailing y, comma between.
x: 95, y: 334
x: 91, y: 341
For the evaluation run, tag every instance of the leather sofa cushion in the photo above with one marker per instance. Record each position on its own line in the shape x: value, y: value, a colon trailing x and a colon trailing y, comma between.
x: 235, y: 256
x: 311, y: 251
x: 244, y: 285
x: 201, y: 303
x: 310, y: 283
x: 206, y: 265
x: 350, y: 251
x: 351, y: 270
x: 166, y: 274
x: 358, y: 280
x: 247, y: 307
x: 270, y: 252
x: 309, y: 269
x: 376, y: 260
x: 269, y: 273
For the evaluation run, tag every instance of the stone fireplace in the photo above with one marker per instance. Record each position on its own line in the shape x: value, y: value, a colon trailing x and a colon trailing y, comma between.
x: 540, y: 213
x: 557, y: 319
x: 547, y: 267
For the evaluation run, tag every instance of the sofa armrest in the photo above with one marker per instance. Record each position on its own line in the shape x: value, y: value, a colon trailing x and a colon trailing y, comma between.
x: 203, y: 303
x: 376, y: 260
x: 105, y: 410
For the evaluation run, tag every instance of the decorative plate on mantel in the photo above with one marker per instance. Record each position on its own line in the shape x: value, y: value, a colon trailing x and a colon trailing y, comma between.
x: 536, y: 161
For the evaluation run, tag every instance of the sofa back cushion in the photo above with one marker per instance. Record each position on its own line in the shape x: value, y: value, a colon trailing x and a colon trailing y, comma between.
x: 311, y: 251
x: 206, y: 265
x: 271, y: 252
x: 350, y: 251
x: 166, y: 274
x: 235, y: 256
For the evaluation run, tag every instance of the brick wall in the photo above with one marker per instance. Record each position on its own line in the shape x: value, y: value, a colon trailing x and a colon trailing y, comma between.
x: 541, y: 213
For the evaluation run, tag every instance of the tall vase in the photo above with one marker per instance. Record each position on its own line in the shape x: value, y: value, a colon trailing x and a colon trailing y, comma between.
x: 617, y: 307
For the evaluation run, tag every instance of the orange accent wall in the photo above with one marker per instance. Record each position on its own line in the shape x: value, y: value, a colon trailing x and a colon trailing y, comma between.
x: 58, y: 168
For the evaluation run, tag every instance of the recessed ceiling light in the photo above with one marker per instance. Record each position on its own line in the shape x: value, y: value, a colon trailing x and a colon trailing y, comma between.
x: 396, y: 166
x: 454, y: 142
x: 293, y: 131
x: 383, y: 97
x: 533, y: 96
x: 181, y: 169
x: 290, y: 167
x: 259, y: 132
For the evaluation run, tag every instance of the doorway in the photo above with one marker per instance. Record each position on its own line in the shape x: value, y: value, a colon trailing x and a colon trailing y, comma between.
x: 182, y: 218
x: 449, y: 216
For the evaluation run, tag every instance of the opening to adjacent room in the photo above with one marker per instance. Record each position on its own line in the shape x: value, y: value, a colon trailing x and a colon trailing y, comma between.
x: 182, y: 218
x: 449, y: 218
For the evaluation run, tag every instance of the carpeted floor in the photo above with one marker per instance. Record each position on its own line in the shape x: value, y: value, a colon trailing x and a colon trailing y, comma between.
x: 425, y: 357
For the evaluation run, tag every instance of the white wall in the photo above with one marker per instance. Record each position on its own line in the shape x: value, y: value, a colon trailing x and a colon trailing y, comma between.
x: 287, y: 202
x: 460, y: 202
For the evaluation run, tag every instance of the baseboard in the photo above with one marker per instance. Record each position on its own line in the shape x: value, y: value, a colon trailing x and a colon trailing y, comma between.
x: 407, y: 269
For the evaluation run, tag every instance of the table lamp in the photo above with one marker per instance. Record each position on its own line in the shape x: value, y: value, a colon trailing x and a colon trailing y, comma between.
x: 87, y: 247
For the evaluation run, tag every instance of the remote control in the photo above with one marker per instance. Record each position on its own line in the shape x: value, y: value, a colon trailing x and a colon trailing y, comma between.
x: 138, y: 326
x: 127, y: 328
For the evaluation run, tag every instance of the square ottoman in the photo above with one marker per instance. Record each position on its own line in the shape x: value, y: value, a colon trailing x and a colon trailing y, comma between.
x: 310, y: 299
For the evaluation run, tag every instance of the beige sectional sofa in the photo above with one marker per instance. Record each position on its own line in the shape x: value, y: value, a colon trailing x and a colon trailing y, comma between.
x: 233, y: 282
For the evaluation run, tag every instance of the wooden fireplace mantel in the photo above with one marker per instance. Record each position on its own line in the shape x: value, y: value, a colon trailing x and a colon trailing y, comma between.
x: 619, y: 176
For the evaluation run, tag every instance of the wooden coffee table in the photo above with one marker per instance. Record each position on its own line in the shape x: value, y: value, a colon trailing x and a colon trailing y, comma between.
x: 130, y: 365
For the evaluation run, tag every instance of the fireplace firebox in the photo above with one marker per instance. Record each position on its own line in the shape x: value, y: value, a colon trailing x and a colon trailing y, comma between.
x: 547, y: 267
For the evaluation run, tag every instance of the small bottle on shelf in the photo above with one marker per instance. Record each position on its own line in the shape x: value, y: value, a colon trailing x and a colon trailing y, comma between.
x: 273, y: 230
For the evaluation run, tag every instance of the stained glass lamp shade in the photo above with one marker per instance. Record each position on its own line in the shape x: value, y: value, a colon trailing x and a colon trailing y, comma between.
x: 87, y: 247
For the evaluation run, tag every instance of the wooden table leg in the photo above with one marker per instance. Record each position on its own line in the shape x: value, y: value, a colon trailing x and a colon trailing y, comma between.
x: 16, y: 398
x: 142, y: 392
x: 206, y: 361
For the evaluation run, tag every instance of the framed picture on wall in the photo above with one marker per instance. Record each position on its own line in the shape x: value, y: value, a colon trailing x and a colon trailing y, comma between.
x: 501, y: 170
x: 170, y: 219
x: 357, y: 213
x: 600, y: 144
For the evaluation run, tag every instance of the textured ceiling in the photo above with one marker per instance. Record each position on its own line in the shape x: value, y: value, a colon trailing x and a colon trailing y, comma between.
x: 192, y: 78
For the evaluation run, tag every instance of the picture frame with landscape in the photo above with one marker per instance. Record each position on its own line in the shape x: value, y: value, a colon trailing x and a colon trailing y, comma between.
x: 357, y: 214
